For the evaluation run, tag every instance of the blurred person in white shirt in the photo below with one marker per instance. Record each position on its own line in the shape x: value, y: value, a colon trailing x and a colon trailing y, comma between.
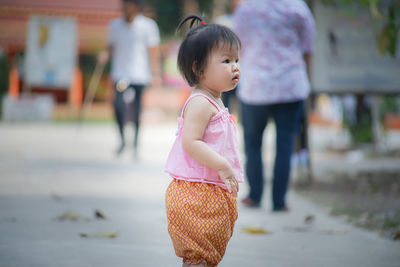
x: 133, y: 45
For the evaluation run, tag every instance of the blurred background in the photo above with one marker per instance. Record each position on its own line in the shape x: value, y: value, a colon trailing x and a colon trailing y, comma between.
x: 347, y: 159
x: 356, y: 57
x: 355, y: 65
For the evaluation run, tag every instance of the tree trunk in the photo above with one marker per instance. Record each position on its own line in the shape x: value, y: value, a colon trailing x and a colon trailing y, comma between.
x: 219, y: 8
x: 190, y: 7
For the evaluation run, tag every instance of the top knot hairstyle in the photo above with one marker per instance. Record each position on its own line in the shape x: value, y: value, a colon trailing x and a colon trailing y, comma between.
x: 199, y: 41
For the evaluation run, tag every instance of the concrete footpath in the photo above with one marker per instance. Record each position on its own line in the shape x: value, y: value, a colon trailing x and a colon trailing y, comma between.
x: 55, y: 171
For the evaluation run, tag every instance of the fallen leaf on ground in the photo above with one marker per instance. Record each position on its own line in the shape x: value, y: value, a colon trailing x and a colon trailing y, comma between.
x: 99, y: 215
x: 397, y: 236
x: 255, y: 230
x: 113, y: 234
x: 309, y: 219
x: 72, y: 216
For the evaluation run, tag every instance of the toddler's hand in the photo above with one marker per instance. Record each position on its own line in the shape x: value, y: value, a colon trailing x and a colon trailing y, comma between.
x: 228, y: 177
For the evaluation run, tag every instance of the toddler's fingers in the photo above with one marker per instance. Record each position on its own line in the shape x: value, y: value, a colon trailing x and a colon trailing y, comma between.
x: 228, y: 186
x: 235, y: 190
x: 234, y: 186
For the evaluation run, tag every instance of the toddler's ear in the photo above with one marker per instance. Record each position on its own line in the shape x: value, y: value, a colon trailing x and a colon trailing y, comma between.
x: 195, y: 70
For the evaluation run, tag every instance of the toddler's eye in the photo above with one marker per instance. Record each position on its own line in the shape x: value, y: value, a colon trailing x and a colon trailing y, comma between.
x: 227, y: 61
x: 237, y: 60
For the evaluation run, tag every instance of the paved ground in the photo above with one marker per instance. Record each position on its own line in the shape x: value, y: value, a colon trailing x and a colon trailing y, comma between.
x: 49, y: 169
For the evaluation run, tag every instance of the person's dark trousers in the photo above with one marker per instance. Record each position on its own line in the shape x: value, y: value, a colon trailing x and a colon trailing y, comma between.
x: 287, y: 118
x: 227, y: 97
x: 120, y: 110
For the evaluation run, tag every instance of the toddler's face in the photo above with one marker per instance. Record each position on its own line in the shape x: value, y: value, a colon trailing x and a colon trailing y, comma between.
x: 222, y: 72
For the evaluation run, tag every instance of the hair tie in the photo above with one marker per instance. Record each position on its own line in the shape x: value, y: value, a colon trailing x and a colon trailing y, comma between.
x: 193, y: 19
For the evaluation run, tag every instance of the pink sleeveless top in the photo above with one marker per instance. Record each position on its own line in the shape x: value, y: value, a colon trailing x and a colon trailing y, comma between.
x: 220, y: 135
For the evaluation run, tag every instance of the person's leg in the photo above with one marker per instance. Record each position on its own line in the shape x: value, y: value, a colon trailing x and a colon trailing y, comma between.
x: 254, y: 120
x: 287, y: 117
x: 137, y: 108
x: 119, y: 112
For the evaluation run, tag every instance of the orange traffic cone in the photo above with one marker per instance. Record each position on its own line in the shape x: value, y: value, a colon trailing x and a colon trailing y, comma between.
x: 76, y: 90
x: 13, y: 88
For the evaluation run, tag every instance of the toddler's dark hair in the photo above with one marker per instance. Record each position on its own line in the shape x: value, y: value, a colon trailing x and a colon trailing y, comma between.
x: 197, y: 45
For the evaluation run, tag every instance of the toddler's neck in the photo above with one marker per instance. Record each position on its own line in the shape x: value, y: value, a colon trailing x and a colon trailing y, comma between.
x: 211, y: 94
x: 217, y: 99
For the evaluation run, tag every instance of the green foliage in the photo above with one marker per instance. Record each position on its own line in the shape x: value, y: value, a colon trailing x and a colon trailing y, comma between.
x: 361, y: 129
x: 385, y: 14
x: 4, y: 71
x: 205, y: 8
x: 387, y: 38
x: 388, y: 105
x: 169, y: 14
x: 361, y: 132
x: 389, y: 223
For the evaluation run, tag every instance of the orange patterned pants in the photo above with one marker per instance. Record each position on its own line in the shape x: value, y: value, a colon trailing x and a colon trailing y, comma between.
x: 201, y: 217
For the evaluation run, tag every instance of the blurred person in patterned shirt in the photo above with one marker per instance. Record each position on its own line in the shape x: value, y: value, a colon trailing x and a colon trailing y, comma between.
x: 277, y: 42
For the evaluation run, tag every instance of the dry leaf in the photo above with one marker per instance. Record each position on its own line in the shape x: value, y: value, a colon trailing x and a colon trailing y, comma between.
x: 309, y: 219
x: 99, y: 215
x: 397, y: 236
x: 255, y: 230
x: 113, y: 234
x: 72, y: 216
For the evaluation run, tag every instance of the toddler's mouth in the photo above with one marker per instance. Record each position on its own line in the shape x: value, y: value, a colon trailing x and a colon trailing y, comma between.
x: 236, y: 78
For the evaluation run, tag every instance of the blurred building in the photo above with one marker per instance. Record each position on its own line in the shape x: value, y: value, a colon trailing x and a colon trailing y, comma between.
x: 92, y: 18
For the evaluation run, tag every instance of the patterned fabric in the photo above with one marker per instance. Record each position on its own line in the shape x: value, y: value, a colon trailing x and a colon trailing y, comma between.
x: 275, y: 34
x: 220, y: 135
x: 201, y: 218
